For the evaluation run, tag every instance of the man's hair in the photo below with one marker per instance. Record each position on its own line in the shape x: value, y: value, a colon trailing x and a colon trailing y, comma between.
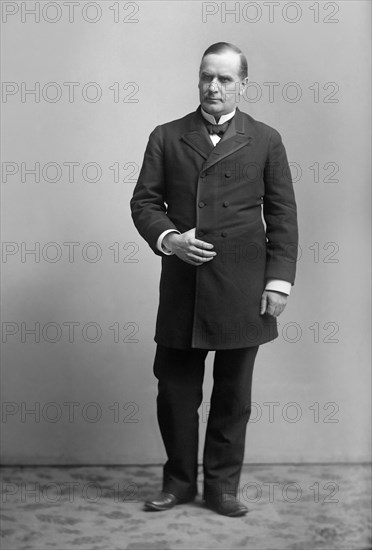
x: 220, y: 47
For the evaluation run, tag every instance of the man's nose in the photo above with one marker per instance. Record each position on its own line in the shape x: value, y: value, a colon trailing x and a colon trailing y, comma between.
x: 213, y: 86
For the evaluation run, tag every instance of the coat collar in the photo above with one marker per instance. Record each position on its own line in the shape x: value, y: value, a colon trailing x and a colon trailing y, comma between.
x: 237, y: 135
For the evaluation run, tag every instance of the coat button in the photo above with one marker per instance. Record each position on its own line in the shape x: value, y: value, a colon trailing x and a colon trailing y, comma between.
x: 227, y: 174
x: 202, y: 175
x: 223, y: 234
x: 226, y: 203
x: 201, y: 204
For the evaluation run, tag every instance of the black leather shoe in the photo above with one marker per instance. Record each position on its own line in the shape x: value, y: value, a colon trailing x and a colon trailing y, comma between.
x: 226, y: 505
x: 163, y: 501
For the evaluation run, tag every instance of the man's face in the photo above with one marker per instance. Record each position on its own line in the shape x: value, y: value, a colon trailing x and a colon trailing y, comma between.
x: 220, y: 85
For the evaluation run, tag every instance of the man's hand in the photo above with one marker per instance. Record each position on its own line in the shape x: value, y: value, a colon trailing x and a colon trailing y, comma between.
x: 189, y: 249
x: 273, y: 303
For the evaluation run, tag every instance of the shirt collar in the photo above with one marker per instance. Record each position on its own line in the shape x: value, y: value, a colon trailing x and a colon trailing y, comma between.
x: 212, y: 120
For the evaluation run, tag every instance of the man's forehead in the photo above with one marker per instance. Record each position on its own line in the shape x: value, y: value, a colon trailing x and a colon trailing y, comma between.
x: 227, y: 61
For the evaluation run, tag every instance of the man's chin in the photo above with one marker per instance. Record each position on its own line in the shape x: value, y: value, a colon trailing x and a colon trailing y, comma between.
x: 212, y: 107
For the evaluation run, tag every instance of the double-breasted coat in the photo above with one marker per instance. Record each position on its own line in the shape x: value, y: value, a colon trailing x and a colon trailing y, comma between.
x: 239, y: 196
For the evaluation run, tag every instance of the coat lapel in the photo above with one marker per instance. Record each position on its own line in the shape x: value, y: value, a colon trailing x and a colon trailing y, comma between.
x: 235, y: 137
x: 198, y: 137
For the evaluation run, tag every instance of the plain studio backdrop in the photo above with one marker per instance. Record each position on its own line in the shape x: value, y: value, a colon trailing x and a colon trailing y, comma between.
x: 83, y: 87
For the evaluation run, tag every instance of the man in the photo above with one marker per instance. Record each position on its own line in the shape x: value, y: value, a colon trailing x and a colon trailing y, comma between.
x: 207, y: 182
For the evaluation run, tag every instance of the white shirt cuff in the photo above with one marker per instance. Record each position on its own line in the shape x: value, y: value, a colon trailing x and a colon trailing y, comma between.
x: 159, y: 242
x: 277, y: 285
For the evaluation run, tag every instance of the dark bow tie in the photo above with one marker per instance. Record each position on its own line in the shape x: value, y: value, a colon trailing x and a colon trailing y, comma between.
x: 218, y: 129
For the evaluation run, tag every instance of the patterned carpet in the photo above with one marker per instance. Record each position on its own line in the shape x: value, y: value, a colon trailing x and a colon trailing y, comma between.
x: 292, y: 507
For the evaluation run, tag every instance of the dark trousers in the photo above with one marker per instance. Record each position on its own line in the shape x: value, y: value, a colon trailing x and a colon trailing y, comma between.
x: 180, y: 374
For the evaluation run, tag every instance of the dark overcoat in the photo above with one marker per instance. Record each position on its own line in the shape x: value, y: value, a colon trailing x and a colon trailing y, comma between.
x: 239, y: 196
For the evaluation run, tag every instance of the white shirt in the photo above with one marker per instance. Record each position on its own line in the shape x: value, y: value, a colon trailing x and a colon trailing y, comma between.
x: 277, y: 285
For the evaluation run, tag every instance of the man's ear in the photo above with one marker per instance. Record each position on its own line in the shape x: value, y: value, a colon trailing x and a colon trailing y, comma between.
x: 243, y: 85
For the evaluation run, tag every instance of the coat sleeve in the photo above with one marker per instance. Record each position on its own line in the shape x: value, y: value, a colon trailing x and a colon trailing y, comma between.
x: 147, y: 204
x: 280, y: 214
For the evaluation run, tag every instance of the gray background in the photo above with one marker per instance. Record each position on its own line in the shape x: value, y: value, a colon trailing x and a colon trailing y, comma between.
x: 94, y: 401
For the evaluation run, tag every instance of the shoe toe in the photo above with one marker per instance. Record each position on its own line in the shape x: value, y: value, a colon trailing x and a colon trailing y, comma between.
x: 162, y: 501
x: 227, y: 505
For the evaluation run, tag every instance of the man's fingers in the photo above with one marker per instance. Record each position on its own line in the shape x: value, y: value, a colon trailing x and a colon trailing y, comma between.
x: 272, y: 303
x: 263, y: 304
x: 202, y: 244
x: 202, y: 253
x: 198, y: 260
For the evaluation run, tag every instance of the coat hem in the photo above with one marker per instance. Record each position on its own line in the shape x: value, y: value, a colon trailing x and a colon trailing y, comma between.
x: 212, y: 347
